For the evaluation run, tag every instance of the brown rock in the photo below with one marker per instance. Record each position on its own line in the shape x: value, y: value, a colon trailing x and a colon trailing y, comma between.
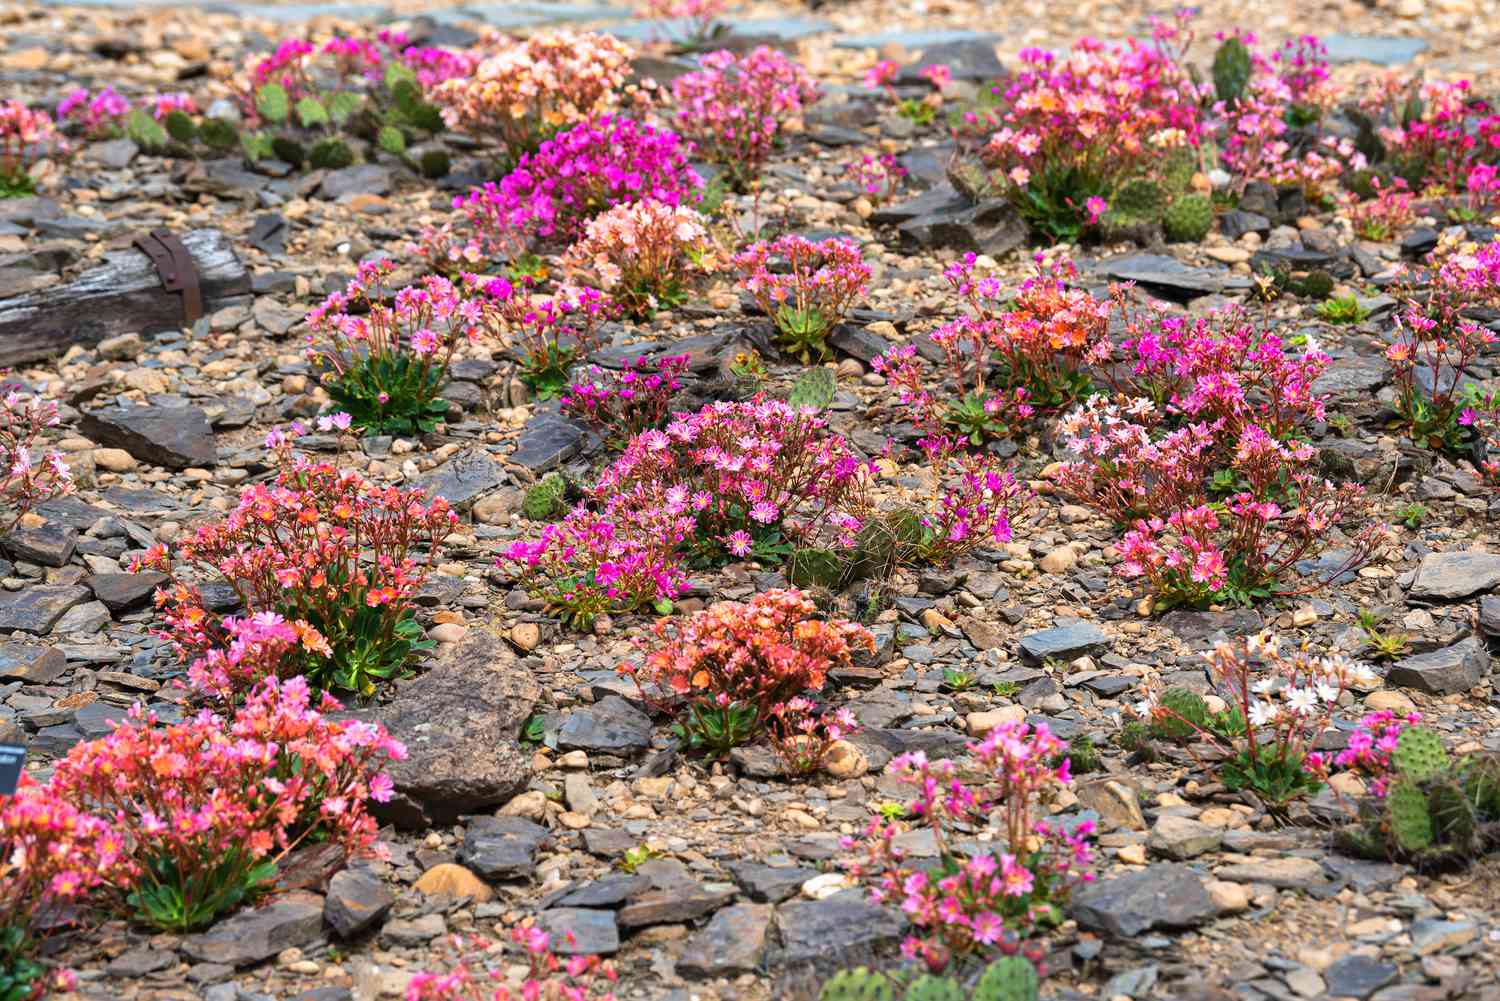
x: 453, y: 880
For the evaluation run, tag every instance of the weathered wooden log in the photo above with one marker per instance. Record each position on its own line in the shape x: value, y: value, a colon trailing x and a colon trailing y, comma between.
x: 121, y: 295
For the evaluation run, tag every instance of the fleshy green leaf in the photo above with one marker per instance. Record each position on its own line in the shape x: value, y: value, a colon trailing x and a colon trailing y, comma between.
x: 342, y: 106
x: 310, y: 111
x: 272, y: 102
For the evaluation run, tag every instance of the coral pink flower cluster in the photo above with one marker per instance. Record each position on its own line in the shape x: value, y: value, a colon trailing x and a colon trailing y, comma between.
x: 1439, y: 131
x: 761, y: 654
x: 28, y: 475
x: 808, y: 297
x: 523, y: 92
x: 550, y: 332
x: 734, y: 109
x: 986, y: 902
x: 26, y: 136
x: 642, y: 253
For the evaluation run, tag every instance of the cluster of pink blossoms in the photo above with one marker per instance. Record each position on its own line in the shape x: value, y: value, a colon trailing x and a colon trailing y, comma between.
x: 1369, y: 750
x: 989, y: 901
x: 1437, y: 131
x: 809, y: 297
x: 734, y: 108
x: 28, y: 476
x: 642, y: 253
x: 26, y: 136
x: 548, y: 977
x: 630, y: 401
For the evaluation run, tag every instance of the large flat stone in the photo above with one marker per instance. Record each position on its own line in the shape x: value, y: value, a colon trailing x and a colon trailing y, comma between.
x: 827, y: 930
x: 501, y: 847
x: 1453, y: 669
x: 1065, y: 641
x: 250, y: 936
x: 733, y: 942
x: 461, y: 722
x: 174, y: 437
x: 1160, y: 896
x: 31, y: 662
x: 1451, y: 576
x: 37, y: 609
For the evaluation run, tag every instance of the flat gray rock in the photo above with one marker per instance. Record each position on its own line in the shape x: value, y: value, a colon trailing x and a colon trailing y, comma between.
x: 1070, y: 639
x: 1381, y: 50
x: 733, y: 942
x: 255, y: 934
x: 1167, y: 895
x: 1451, y: 576
x: 501, y: 847
x: 174, y: 437
x: 38, y: 608
x: 827, y: 930
x: 31, y: 663
x: 580, y: 931
x: 357, y: 900
x: 463, y: 479
x: 1455, y: 668
x: 611, y: 725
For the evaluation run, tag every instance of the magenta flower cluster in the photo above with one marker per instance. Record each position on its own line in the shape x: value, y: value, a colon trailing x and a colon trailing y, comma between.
x: 628, y: 402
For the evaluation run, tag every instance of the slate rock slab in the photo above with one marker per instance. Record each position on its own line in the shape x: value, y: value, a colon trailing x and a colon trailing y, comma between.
x: 31, y: 663
x: 827, y: 930
x: 733, y: 942
x: 49, y: 545
x: 548, y: 440
x: 1379, y: 49
x: 674, y: 905
x: 249, y: 936
x: 1451, y: 576
x: 1167, y: 895
x: 611, y: 725
x: 357, y: 900
x: 37, y: 609
x: 174, y: 437
x: 988, y: 227
x: 966, y: 58
x: 125, y: 592
x: 593, y: 932
x: 1069, y: 639
x: 770, y: 884
x: 463, y: 479
x: 1358, y: 976
x: 460, y: 722
x: 1169, y: 277
x: 1455, y: 668
x: 501, y: 847
x: 360, y: 179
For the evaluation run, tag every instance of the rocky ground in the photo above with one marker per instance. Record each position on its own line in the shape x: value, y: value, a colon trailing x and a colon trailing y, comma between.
x: 1202, y: 895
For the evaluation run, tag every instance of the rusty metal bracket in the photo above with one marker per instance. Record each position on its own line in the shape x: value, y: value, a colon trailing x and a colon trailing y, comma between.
x: 174, y: 265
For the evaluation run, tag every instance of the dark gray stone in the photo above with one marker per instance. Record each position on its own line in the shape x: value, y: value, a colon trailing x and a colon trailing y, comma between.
x: 89, y: 617
x: 1066, y: 640
x: 611, y: 725
x: 501, y: 847
x: 1236, y: 223
x: 1169, y: 277
x: 1357, y: 976
x: 988, y: 227
x: 292, y: 920
x: 174, y: 437
x: 857, y: 342
x: 607, y: 891
x: 125, y: 592
x: 1489, y: 615
x: 1455, y: 668
x: 733, y: 942
x: 1453, y: 575
x: 357, y: 900
x: 770, y: 884
x: 1166, y: 895
x: 463, y: 479
x: 1358, y: 375
x: 580, y: 931
x: 140, y: 961
x: 835, y: 927
x: 459, y: 722
x: 677, y: 904
x: 36, y: 609
x: 31, y: 663
x: 547, y: 441
x: 49, y: 545
x: 360, y: 179
x: 967, y: 59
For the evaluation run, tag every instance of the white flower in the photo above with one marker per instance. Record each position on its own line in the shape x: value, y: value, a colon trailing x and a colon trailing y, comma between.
x: 1301, y: 701
x: 1263, y: 686
x: 1328, y: 690
x: 1262, y: 713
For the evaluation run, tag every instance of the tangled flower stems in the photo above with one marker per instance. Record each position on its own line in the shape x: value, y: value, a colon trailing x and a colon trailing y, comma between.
x: 54, y: 855
x: 550, y: 334
x: 1074, y: 128
x: 326, y: 550
x: 1434, y: 132
x: 623, y: 404
x: 879, y: 178
x: 206, y: 808
x: 1279, y: 704
x: 734, y: 109
x: 1435, y: 339
x: 732, y: 668
x: 642, y: 254
x: 1368, y: 753
x: 28, y: 476
x: 96, y: 116
x: 591, y: 167
x: 26, y: 137
x: 524, y: 92
x: 804, y: 737
x: 985, y: 902
x: 548, y: 977
x: 386, y: 358
x: 821, y: 282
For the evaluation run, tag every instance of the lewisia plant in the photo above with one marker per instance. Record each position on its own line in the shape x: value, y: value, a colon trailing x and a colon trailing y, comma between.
x: 386, y: 357
x: 524, y: 92
x: 820, y: 283
x: 734, y: 109
x: 1435, y: 131
x: 643, y: 254
x: 323, y: 548
x: 623, y: 404
x: 593, y: 166
x: 1368, y: 752
x: 550, y: 333
x: 206, y: 808
x: 734, y: 669
x: 26, y: 136
x: 1015, y: 884
x: 28, y: 476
